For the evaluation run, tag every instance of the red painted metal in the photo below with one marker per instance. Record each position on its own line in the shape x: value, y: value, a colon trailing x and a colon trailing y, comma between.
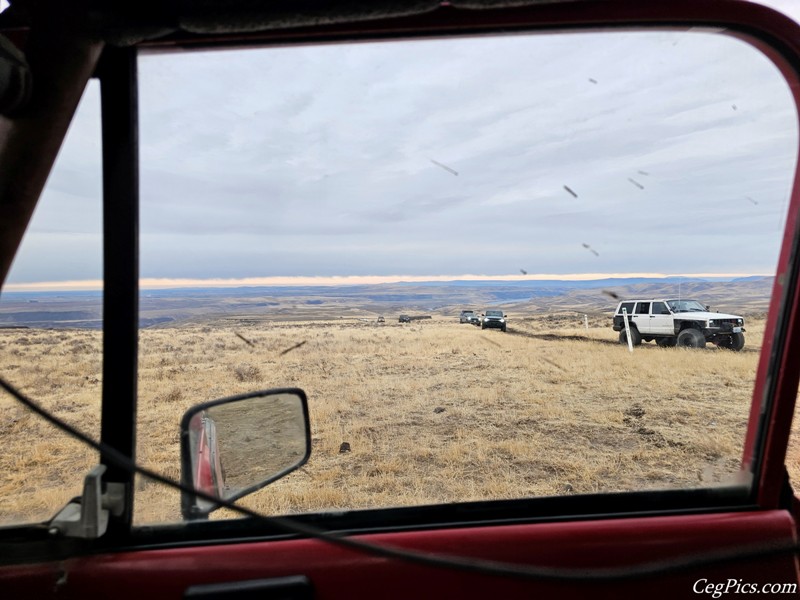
x: 337, y: 572
x: 207, y: 470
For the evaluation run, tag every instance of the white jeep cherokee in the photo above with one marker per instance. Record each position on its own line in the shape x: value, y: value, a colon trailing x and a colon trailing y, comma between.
x: 678, y: 322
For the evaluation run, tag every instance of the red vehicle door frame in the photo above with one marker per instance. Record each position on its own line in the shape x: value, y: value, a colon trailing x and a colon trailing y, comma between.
x: 167, y: 566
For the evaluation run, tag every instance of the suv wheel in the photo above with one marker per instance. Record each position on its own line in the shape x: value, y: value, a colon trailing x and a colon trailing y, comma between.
x: 636, y: 337
x: 691, y: 338
x: 733, y: 342
x: 666, y: 342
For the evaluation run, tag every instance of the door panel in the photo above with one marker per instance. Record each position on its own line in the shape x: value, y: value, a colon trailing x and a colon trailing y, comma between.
x: 335, y: 572
x: 641, y: 317
x: 659, y: 322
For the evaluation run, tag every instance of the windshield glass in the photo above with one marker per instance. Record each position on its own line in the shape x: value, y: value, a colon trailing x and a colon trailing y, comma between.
x: 494, y: 313
x: 686, y: 306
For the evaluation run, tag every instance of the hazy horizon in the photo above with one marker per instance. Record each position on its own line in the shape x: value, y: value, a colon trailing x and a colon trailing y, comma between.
x: 164, y: 283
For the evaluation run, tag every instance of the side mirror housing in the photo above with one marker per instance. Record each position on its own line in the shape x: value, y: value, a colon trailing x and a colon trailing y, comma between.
x: 234, y: 446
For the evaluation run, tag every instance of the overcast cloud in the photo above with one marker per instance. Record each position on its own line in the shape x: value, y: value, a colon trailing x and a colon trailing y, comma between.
x: 320, y: 161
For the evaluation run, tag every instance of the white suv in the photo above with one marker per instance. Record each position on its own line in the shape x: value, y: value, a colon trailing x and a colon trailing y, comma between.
x: 680, y: 322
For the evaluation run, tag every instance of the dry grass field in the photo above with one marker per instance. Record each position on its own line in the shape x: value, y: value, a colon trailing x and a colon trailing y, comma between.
x: 433, y: 411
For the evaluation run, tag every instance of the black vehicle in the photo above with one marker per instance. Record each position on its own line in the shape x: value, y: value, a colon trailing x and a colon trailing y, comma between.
x: 409, y: 318
x: 494, y: 318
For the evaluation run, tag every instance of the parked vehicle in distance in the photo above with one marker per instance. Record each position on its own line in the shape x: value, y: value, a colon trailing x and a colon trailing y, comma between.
x: 469, y: 316
x: 681, y: 322
x: 409, y: 318
x: 493, y: 319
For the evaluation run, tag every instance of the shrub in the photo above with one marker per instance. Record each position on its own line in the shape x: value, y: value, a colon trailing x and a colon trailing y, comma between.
x: 174, y: 395
x: 247, y: 372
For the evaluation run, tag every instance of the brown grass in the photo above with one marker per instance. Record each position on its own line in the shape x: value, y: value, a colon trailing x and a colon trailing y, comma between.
x: 40, y: 467
x: 433, y: 411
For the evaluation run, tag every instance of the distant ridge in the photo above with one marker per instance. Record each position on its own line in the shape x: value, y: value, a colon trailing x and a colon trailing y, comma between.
x: 744, y: 295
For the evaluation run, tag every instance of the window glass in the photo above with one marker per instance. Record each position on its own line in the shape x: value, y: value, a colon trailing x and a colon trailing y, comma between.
x: 50, y: 331
x: 627, y: 307
x: 319, y: 216
x: 793, y: 452
x: 659, y: 308
x: 642, y: 308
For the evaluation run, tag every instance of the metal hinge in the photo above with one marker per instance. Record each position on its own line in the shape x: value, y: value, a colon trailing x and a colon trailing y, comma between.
x: 87, y: 517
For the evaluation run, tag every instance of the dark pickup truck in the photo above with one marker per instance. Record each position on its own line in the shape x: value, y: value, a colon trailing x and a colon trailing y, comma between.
x: 409, y: 318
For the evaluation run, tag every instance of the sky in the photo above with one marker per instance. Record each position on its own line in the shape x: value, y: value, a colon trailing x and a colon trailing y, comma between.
x: 560, y: 155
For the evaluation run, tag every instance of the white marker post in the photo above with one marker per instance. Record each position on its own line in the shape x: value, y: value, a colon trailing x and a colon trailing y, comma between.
x: 627, y: 328
x: 586, y: 321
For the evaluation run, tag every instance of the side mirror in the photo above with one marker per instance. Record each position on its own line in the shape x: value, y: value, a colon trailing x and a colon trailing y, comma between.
x: 234, y: 446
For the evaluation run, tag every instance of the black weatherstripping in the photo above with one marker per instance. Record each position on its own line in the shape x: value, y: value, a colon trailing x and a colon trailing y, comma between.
x: 282, y: 588
x: 119, y: 106
x: 488, y: 513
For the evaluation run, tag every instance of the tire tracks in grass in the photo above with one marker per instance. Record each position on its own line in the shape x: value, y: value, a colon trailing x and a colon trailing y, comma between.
x: 554, y: 337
